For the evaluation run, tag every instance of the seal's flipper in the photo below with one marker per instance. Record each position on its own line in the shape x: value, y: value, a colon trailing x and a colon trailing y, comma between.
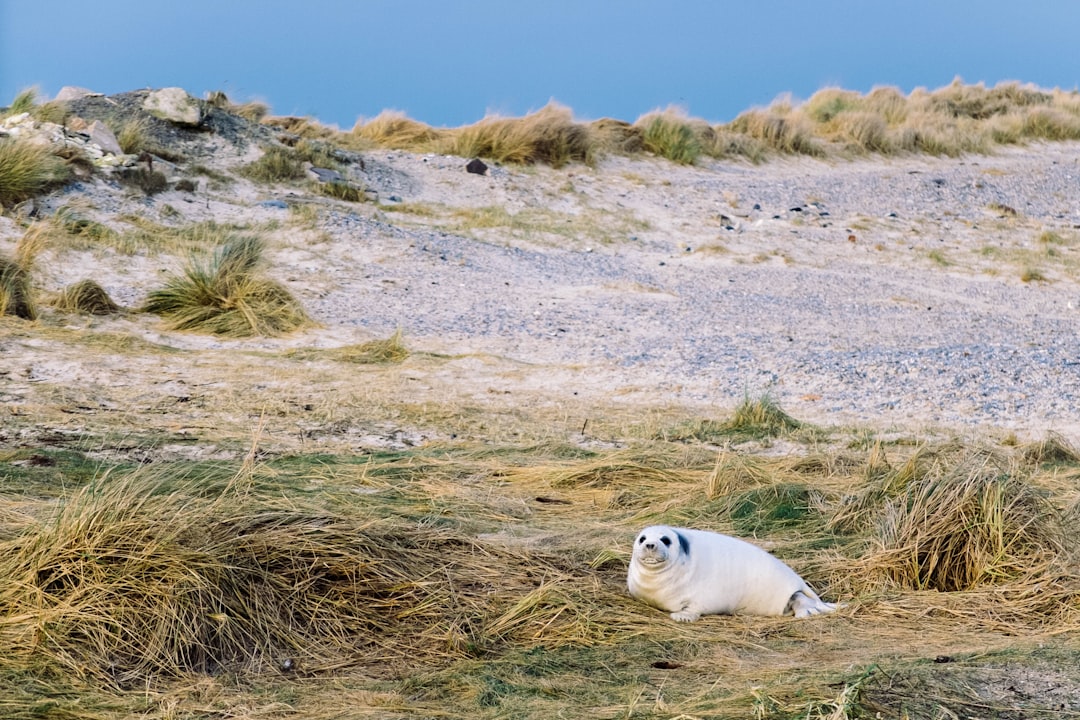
x: 805, y: 603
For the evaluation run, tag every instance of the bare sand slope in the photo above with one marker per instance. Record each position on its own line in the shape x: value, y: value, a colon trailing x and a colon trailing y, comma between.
x: 909, y: 293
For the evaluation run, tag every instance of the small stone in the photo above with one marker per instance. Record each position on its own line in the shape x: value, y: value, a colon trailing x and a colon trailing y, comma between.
x: 477, y: 167
x: 174, y: 105
x: 102, y: 136
x: 325, y: 175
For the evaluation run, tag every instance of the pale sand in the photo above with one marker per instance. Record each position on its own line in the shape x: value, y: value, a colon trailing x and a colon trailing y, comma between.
x: 892, y: 298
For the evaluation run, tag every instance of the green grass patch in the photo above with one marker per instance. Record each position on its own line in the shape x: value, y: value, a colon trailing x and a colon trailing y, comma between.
x: 768, y: 509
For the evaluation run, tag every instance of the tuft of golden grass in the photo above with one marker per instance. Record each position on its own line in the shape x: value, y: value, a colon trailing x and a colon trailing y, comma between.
x: 390, y: 350
x: 672, y: 135
x: 549, y: 135
x: 251, y: 111
x: 394, y: 129
x: 951, y: 121
x: 133, y: 136
x: 974, y: 522
x: 86, y: 297
x: 27, y: 170
x: 225, y: 296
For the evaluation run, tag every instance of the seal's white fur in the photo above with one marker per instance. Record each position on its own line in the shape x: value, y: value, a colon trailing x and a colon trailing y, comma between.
x: 691, y: 573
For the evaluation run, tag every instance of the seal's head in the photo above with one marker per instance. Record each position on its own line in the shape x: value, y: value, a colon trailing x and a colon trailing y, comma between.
x: 659, y: 545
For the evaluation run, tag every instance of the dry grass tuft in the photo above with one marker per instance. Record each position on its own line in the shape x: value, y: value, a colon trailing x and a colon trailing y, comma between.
x: 374, y: 352
x: 276, y: 164
x: 225, y: 296
x: 15, y: 293
x: 146, y: 576
x: 549, y: 136
x: 670, y: 134
x: 1053, y: 449
x: 27, y: 170
x: 617, y: 136
x: 758, y: 418
x: 396, y: 130
x: 251, y: 111
x: 87, y: 297
x: 969, y: 520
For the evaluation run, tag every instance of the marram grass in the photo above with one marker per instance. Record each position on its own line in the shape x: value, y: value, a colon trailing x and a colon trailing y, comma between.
x: 85, y: 297
x: 15, y: 292
x: 225, y: 295
x: 27, y: 170
x: 463, y: 581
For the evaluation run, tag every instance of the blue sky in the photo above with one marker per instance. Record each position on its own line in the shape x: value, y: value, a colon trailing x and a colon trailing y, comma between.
x: 449, y: 62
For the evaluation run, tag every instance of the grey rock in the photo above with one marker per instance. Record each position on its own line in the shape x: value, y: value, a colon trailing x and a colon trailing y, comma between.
x: 476, y: 166
x: 174, y: 105
x: 325, y: 175
x: 102, y: 136
x: 71, y: 92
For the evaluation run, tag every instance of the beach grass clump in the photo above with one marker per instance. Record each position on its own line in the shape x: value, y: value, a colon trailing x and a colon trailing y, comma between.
x: 340, y: 190
x: 251, y: 111
x: 760, y: 417
x: 23, y: 102
x: 671, y: 135
x: 226, y: 296
x: 15, y: 292
x: 395, y: 130
x: 374, y: 352
x: 133, y: 136
x: 779, y: 129
x: 1054, y: 449
x: 970, y: 519
x: 85, y: 297
x: 154, y: 575
x: 27, y: 169
x: 616, y: 136
x: 276, y: 164
x: 549, y: 136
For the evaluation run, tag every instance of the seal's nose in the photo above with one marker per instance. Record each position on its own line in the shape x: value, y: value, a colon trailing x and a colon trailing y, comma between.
x: 650, y: 546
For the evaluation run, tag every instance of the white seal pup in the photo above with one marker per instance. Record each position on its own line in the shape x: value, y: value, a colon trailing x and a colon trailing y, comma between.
x: 691, y: 573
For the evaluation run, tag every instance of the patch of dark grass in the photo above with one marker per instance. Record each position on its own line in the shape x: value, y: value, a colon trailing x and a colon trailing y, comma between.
x: 341, y: 190
x: 15, y: 292
x: 47, y: 471
x: 150, y: 182
x: 277, y: 164
x: 764, y: 510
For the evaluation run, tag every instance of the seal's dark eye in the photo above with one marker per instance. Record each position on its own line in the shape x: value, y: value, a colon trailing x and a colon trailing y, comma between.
x: 666, y: 540
x: 641, y: 539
